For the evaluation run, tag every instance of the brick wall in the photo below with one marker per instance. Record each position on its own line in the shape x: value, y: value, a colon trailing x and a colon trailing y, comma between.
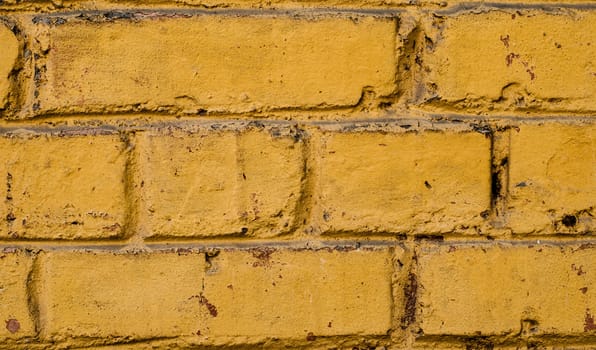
x: 297, y: 174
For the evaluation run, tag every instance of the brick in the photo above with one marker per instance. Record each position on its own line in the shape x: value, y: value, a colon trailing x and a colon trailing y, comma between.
x: 62, y: 187
x: 8, y: 58
x: 268, y: 293
x: 427, y: 182
x: 238, y: 295
x: 552, y: 179
x: 506, y: 289
x: 102, y: 294
x: 508, y: 60
x: 201, y: 184
x: 215, y: 63
x: 15, y: 317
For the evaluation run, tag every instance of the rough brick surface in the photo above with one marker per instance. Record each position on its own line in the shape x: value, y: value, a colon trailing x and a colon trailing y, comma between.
x: 552, y: 178
x: 62, y: 186
x: 267, y: 292
x: 205, y: 184
x: 311, y: 174
x: 231, y: 295
x: 15, y: 267
x: 225, y: 63
x: 506, y: 289
x: 8, y: 59
x: 86, y: 294
x: 523, y: 59
x: 402, y: 182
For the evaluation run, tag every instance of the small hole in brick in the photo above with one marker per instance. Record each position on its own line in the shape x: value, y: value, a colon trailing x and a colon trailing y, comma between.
x: 244, y: 230
x: 569, y: 220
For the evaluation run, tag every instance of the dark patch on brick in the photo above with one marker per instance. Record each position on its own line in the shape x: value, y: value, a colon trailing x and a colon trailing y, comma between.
x: 10, y: 217
x: 495, y: 183
x: 8, y: 186
x: 112, y: 228
x: 483, y: 129
x: 263, y: 256
x: 183, y: 251
x: 579, y: 269
x: 589, y: 324
x: 529, y: 327
x: 13, y: 325
x: 205, y: 302
x: 346, y: 248
x: 48, y: 20
x: 311, y: 337
x: 425, y: 237
x: 411, y: 299
x: 584, y: 290
x: 427, y: 185
x: 585, y: 246
x: 209, y: 255
x: 485, y: 214
x: 505, y: 40
x: 256, y: 124
x: 480, y: 344
x: 510, y: 57
x: 113, y: 15
x: 569, y: 220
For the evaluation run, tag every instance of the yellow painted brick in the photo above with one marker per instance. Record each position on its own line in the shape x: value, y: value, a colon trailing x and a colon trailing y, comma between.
x: 552, y: 184
x: 428, y: 182
x: 497, y: 289
x: 94, y: 294
x: 221, y: 183
x: 15, y: 317
x: 194, y: 62
x: 62, y: 186
x: 8, y: 57
x: 516, y: 59
x: 269, y: 293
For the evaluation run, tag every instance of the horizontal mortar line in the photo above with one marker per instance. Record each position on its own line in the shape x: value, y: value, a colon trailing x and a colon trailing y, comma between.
x: 586, y: 118
x: 468, y: 6
x: 512, y: 338
x: 300, y: 12
x: 112, y: 125
x: 165, y: 245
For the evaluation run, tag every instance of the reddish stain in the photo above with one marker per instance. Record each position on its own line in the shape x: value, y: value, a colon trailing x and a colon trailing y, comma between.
x: 329, y: 324
x: 505, y: 40
x: 579, y: 269
x: 263, y: 256
x: 13, y: 325
x: 310, y: 336
x: 589, y: 324
x: 203, y: 301
x: 584, y: 290
x: 451, y: 249
x: 230, y: 286
x: 112, y: 228
x: 509, y: 58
